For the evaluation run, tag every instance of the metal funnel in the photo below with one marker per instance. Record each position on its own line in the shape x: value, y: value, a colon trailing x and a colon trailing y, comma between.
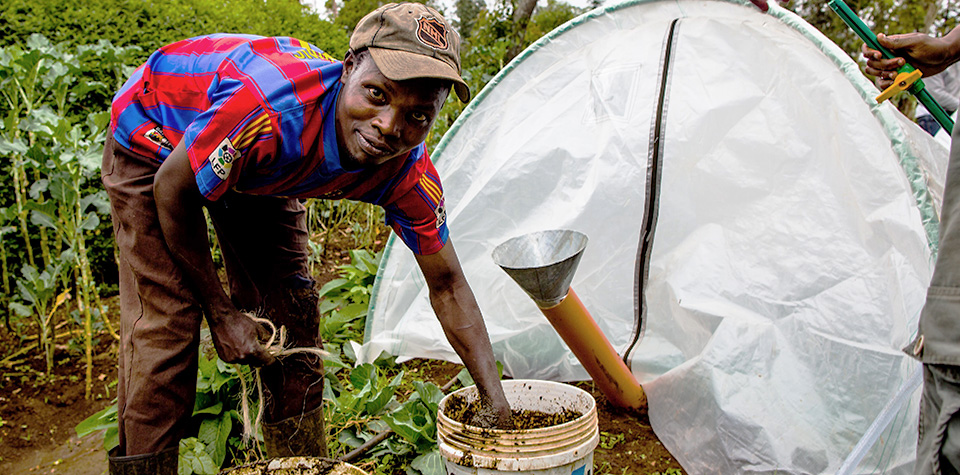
x: 542, y: 263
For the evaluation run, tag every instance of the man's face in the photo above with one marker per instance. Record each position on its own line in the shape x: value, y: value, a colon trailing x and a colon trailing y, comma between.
x: 379, y: 119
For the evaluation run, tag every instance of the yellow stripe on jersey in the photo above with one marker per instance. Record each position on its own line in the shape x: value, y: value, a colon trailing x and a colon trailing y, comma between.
x: 252, y: 130
x: 431, y: 187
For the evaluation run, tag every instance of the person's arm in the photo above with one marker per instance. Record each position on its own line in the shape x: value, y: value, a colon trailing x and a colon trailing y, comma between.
x: 930, y: 55
x: 459, y: 315
x: 180, y: 210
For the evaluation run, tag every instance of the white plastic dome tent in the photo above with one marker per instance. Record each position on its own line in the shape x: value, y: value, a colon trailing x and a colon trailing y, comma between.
x: 761, y: 231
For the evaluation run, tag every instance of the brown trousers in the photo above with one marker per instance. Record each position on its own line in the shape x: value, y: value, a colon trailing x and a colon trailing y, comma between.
x: 264, y: 244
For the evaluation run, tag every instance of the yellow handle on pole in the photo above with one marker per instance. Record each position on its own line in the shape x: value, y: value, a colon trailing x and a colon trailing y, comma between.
x: 901, y: 83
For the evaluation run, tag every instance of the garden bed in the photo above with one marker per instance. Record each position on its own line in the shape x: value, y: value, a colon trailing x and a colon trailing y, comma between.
x: 39, y: 416
x: 38, y: 412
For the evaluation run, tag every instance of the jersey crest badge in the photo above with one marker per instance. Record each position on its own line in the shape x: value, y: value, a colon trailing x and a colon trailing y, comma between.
x: 156, y: 136
x: 222, y: 158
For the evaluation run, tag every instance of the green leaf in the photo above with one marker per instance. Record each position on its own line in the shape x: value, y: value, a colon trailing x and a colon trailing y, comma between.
x: 41, y: 218
x: 332, y: 361
x: 223, y: 367
x: 464, y: 377
x: 49, y: 207
x: 329, y: 304
x: 347, y: 402
x: 57, y: 71
x: 332, y: 324
x: 402, y: 422
x: 90, y: 159
x: 104, y: 419
x: 207, y: 367
x: 41, y: 120
x: 21, y: 309
x: 15, y: 145
x: 38, y: 187
x: 466, y: 380
x: 329, y: 286
x: 194, y: 458
x: 38, y: 41
x: 220, y: 379
x: 350, y: 351
x: 29, y: 293
x: 365, y: 261
x: 111, y: 439
x: 430, y: 463
x: 430, y: 394
x: 98, y: 200
x: 90, y: 222
x: 350, y: 439
x: 383, y: 396
x: 354, y: 311
x: 98, y: 120
x: 214, y: 409
x: 214, y: 433
x: 363, y: 375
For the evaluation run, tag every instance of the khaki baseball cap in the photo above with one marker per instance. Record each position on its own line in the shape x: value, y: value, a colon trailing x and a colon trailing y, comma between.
x: 411, y: 40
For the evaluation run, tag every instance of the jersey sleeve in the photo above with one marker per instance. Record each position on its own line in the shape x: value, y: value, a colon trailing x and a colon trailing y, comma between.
x: 418, y: 214
x: 234, y: 133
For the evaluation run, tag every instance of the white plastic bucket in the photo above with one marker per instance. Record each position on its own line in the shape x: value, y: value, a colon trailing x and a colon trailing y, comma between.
x: 564, y: 449
x: 296, y: 466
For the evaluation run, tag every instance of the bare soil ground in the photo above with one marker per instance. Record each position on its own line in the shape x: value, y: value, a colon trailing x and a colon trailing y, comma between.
x: 38, y: 412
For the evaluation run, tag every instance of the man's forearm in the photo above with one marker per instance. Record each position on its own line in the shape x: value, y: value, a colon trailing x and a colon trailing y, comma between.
x: 464, y: 328
x: 180, y: 211
x: 462, y: 323
x: 186, y: 236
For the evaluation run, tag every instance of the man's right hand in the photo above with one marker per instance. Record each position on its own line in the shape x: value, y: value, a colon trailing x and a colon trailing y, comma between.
x: 493, y: 413
x: 236, y: 338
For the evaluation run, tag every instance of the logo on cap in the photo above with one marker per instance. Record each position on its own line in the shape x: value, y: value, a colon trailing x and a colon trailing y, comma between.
x: 432, y: 32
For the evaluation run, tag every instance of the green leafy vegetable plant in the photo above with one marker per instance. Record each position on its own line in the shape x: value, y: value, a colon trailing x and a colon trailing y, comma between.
x: 345, y: 300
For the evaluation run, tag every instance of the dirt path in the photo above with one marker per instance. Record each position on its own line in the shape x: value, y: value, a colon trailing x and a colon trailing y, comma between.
x: 38, y: 412
x: 76, y: 456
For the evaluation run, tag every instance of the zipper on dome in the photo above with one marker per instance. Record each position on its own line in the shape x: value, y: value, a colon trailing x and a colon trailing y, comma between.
x: 652, y: 193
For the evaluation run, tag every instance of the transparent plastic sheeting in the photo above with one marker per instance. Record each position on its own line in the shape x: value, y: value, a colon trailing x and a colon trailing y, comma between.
x: 793, y: 242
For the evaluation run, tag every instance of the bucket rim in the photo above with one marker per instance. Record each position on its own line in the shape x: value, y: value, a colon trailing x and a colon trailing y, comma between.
x: 591, y: 409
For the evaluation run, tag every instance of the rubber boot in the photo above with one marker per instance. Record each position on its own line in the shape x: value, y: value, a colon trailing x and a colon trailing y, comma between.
x: 302, y: 435
x: 160, y: 463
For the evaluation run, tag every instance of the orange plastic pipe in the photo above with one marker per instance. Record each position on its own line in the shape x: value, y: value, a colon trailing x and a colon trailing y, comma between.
x: 580, y: 332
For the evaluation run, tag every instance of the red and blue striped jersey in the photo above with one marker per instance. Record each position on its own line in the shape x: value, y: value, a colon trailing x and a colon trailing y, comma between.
x: 257, y: 116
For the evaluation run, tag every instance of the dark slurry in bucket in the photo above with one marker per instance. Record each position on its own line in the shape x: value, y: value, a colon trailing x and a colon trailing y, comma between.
x: 464, y: 412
